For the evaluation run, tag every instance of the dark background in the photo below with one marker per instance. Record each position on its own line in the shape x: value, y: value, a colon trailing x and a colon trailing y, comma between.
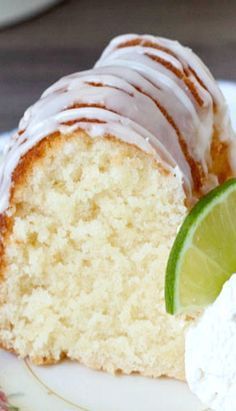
x: 71, y: 36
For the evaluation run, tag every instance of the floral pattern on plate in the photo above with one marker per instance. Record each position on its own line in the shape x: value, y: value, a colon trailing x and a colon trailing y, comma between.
x: 5, y: 404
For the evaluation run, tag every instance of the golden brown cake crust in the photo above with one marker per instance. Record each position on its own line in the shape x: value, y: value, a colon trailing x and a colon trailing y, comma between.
x: 219, y: 150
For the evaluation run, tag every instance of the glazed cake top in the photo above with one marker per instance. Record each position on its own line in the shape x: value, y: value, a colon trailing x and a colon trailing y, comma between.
x: 145, y: 90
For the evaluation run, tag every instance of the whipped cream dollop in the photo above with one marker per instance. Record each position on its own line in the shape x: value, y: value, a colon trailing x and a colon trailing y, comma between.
x: 210, y: 358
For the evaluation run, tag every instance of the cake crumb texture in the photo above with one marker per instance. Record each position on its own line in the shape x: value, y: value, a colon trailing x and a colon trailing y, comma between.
x: 92, y: 224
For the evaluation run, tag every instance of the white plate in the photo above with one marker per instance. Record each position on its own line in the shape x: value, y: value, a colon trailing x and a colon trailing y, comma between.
x: 69, y: 386
x: 13, y: 11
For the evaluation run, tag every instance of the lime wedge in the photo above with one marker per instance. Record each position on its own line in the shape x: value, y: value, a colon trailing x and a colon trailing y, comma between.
x: 203, y: 255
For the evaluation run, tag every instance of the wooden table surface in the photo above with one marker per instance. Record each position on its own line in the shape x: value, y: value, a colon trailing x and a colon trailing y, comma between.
x: 71, y: 36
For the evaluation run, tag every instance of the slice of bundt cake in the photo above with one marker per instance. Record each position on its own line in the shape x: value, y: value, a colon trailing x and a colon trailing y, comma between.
x: 93, y: 188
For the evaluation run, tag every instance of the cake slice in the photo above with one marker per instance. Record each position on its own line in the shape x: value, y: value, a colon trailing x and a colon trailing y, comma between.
x: 93, y: 188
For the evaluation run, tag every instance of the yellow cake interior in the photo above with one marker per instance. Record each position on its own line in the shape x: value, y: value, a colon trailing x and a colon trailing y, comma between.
x: 93, y: 221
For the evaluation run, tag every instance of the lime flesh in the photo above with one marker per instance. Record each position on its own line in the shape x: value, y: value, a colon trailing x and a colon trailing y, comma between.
x: 203, y: 255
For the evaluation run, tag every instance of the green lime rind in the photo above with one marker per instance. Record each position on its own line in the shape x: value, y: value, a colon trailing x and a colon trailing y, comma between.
x: 184, y: 239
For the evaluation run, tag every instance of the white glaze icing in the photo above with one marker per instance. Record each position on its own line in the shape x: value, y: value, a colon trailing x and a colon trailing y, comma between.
x: 127, y: 95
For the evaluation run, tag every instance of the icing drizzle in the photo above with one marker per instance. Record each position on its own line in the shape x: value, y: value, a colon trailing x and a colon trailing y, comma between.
x: 145, y: 90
